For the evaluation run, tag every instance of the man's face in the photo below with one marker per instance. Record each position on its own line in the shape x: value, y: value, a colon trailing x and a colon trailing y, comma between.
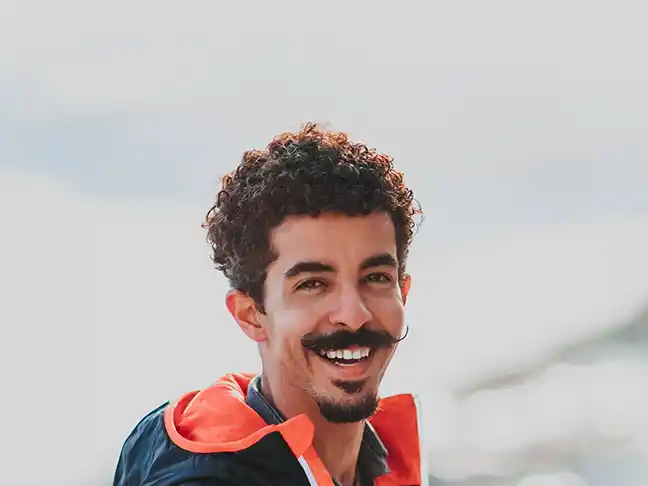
x: 334, y: 309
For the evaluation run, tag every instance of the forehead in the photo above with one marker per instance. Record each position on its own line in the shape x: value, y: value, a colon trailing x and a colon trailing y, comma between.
x: 333, y: 238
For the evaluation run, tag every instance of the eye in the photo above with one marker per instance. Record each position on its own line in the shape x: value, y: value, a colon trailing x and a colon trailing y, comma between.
x: 378, y: 278
x: 311, y: 284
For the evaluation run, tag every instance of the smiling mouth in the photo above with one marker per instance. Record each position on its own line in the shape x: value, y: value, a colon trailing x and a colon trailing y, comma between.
x: 346, y: 357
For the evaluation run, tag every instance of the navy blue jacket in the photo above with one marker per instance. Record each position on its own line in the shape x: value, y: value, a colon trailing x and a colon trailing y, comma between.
x: 213, y: 437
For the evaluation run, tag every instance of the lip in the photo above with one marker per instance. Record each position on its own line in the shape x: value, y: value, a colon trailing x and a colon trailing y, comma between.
x: 354, y: 371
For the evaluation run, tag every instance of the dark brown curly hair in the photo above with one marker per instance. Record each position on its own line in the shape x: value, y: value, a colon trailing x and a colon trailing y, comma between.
x: 310, y: 172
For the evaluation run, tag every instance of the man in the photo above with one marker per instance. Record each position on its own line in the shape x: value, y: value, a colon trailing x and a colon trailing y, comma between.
x: 313, y: 234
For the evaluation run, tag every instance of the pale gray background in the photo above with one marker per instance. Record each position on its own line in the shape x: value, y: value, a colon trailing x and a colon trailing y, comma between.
x: 521, y: 126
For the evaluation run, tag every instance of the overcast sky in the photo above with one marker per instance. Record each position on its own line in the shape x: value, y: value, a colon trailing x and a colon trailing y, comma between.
x: 522, y: 129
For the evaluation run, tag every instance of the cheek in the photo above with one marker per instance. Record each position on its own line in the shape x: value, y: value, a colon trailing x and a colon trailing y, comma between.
x: 390, y: 313
x: 284, y: 337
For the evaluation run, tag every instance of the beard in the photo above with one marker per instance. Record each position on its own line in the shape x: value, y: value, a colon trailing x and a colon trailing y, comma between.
x: 341, y: 411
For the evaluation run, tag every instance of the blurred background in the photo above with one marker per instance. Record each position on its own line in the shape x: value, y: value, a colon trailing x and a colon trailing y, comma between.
x: 521, y: 127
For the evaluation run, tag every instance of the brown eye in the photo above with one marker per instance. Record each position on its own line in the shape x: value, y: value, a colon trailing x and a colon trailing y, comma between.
x: 310, y: 285
x: 378, y: 278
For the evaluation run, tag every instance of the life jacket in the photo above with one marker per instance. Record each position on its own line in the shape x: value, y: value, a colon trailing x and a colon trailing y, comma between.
x: 212, y: 437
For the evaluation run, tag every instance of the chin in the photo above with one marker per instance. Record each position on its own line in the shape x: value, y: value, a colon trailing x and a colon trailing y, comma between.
x: 348, y: 407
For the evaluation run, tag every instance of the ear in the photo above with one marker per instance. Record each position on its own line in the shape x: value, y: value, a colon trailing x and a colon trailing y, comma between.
x: 405, y: 283
x: 245, y: 313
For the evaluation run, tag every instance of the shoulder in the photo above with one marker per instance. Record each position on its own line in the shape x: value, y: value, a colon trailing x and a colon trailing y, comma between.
x: 146, y: 444
x: 209, y: 434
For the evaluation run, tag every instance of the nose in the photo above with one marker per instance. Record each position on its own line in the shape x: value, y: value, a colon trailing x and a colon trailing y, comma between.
x: 351, y: 310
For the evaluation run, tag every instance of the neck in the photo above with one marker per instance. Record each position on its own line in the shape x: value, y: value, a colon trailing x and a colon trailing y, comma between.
x: 337, y: 445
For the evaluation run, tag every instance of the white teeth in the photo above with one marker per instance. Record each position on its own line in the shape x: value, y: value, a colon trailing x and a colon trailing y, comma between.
x: 361, y: 353
x: 346, y: 354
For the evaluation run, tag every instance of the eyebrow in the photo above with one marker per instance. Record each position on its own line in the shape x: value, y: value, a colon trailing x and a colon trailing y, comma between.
x: 307, y: 267
x: 382, y: 260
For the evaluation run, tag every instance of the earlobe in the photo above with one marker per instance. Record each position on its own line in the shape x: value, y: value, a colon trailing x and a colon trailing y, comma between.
x: 245, y: 313
x: 406, y: 281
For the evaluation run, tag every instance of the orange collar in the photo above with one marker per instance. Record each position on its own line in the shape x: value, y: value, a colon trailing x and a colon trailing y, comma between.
x: 217, y: 419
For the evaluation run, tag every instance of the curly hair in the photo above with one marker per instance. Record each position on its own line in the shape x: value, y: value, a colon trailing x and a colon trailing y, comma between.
x: 310, y: 172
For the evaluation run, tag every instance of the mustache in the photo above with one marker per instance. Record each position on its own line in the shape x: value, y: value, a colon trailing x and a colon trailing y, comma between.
x: 344, y: 339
